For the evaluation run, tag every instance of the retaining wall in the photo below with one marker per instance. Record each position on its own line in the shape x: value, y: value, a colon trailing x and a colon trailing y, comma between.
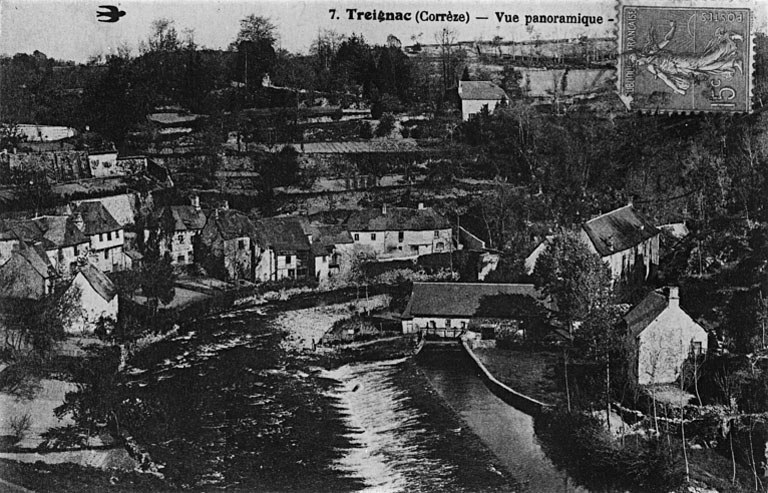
x: 526, y: 404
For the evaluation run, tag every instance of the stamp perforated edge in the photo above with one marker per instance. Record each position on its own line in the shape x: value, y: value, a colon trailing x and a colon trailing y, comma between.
x: 758, y: 10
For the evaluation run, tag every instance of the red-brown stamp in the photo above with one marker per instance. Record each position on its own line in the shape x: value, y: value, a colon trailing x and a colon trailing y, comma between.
x: 685, y: 58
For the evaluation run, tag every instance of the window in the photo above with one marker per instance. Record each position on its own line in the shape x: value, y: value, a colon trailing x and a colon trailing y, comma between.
x: 181, y: 259
x: 101, y: 236
x: 439, y: 246
x: 109, y: 236
x: 437, y: 234
x: 77, y: 252
x: 373, y: 236
x: 447, y: 323
x: 414, y: 249
x: 695, y: 348
x: 241, y: 244
x: 401, y: 236
x: 106, y: 254
x: 357, y: 237
x: 180, y: 238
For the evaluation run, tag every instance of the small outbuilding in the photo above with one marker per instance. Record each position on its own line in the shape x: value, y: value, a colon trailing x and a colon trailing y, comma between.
x: 97, y: 299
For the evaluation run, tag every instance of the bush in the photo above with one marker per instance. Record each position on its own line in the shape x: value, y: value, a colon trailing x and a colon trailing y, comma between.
x: 20, y: 425
x: 365, y: 131
x: 386, y: 124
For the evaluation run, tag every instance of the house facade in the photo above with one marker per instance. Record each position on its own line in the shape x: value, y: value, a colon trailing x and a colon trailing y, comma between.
x: 662, y: 336
x: 227, y: 245
x: 97, y: 299
x: 177, y: 228
x: 28, y: 274
x: 626, y: 241
x: 448, y: 309
x: 399, y: 232
x: 475, y: 95
x: 283, y: 249
x: 104, y: 233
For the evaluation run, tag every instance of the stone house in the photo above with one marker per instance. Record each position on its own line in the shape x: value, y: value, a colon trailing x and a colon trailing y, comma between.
x: 626, y: 241
x: 27, y: 274
x: 226, y: 247
x: 475, y: 95
x: 177, y: 228
x: 97, y: 298
x: 283, y: 249
x: 58, y: 236
x: 399, y: 232
x: 661, y: 336
x: 448, y: 309
x: 331, y: 249
x: 105, y: 235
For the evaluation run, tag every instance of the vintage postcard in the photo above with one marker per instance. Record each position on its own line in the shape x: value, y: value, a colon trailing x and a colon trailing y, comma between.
x: 383, y: 246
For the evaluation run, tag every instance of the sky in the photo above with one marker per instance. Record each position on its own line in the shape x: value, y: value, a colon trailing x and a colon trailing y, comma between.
x: 69, y: 30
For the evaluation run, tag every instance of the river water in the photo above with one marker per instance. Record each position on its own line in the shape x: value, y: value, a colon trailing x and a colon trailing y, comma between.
x: 507, y: 431
x: 231, y: 409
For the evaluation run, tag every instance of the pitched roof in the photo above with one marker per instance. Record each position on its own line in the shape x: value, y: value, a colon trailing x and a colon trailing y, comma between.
x: 282, y: 233
x: 37, y: 258
x: 480, y: 89
x: 618, y: 230
x: 97, y: 218
x: 99, y: 281
x: 122, y: 207
x: 396, y: 219
x: 184, y: 217
x: 230, y: 224
x: 645, y: 312
x: 464, y: 300
x: 60, y: 231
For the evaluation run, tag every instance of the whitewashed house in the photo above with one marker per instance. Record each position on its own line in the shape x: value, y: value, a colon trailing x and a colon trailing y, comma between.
x: 448, y: 309
x: 97, y: 298
x: 105, y: 235
x: 477, y: 94
x: 399, y: 232
x: 662, y: 336
x: 623, y: 238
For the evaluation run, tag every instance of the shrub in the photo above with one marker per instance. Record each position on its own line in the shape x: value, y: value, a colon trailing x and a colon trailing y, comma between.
x: 386, y: 124
x: 20, y: 425
x: 365, y: 131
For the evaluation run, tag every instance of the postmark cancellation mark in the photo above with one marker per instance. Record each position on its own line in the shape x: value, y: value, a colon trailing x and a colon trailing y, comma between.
x: 685, y: 59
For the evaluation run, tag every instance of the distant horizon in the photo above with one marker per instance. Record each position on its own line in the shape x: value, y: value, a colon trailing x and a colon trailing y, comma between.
x: 68, y: 30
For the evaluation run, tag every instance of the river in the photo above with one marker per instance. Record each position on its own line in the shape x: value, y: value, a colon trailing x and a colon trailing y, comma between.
x: 232, y: 409
x: 507, y: 431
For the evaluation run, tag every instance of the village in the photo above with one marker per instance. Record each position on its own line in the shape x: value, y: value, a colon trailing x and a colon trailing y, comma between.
x: 181, y: 222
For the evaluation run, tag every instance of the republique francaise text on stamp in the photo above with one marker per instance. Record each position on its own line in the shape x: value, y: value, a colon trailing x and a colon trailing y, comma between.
x: 677, y: 57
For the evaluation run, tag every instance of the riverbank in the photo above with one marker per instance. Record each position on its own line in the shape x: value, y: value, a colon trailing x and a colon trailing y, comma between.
x: 530, y: 373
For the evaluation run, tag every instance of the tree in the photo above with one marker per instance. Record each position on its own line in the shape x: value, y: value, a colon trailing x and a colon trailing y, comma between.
x: 255, y: 28
x: 255, y: 49
x: 575, y: 277
x: 163, y: 36
x: 601, y: 340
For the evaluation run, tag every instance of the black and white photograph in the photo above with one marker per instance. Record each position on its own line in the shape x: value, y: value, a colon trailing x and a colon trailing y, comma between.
x: 384, y: 246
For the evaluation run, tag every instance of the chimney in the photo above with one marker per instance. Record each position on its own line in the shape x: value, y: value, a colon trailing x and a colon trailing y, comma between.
x: 384, y: 209
x: 77, y: 219
x: 673, y: 297
x: 196, y: 202
x: 421, y: 206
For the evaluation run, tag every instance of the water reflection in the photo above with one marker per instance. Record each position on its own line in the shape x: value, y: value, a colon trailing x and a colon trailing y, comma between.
x: 508, y: 432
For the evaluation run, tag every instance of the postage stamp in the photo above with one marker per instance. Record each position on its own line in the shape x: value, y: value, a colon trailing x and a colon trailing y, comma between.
x: 680, y: 58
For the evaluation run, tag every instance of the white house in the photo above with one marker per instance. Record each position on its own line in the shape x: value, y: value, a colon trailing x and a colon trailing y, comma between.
x: 105, y: 235
x: 623, y: 238
x: 447, y: 309
x: 97, y: 299
x: 103, y: 163
x: 477, y: 94
x: 662, y: 336
x: 399, y: 232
